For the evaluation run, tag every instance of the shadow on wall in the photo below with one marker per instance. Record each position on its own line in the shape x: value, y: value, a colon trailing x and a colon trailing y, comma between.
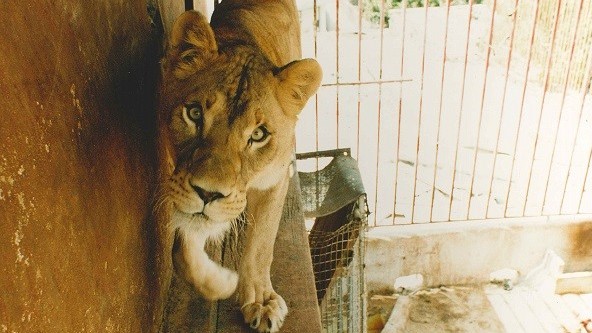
x: 76, y: 165
x: 580, y: 238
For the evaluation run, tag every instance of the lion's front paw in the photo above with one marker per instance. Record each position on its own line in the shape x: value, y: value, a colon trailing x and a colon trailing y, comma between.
x: 268, y: 316
x: 218, y: 283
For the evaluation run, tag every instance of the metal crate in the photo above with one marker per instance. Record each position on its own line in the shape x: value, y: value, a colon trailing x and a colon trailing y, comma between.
x: 334, y: 197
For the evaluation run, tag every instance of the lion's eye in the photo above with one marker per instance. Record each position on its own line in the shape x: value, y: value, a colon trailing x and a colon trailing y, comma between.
x: 259, y: 134
x: 193, y: 112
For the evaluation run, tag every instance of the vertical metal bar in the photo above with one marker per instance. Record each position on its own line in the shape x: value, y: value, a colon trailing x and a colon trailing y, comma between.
x: 402, y: 69
x: 426, y: 4
x: 382, y: 3
x: 476, y: 151
x: 569, y: 62
x: 545, y: 88
x: 337, y: 72
x: 440, y: 108
x: 513, y: 154
x: 360, y: 6
x: 352, y: 319
x: 585, y: 182
x: 188, y: 5
x: 462, y: 98
x: 315, y: 37
x: 505, y: 90
x: 339, y: 300
x: 316, y: 98
x: 361, y: 266
x: 585, y: 90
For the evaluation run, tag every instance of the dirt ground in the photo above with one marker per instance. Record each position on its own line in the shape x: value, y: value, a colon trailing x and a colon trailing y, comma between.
x: 458, y: 309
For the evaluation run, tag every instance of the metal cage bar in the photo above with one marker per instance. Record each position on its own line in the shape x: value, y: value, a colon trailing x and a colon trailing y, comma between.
x: 522, y: 98
x: 564, y: 92
x: 447, y: 124
x: 400, y: 111
x: 503, y: 98
x: 545, y: 89
x: 439, y: 116
x: 481, y: 106
x: 460, y: 114
x: 426, y: 5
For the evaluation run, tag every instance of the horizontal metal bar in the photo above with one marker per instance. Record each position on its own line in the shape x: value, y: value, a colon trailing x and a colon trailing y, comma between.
x: 324, y: 153
x: 365, y: 82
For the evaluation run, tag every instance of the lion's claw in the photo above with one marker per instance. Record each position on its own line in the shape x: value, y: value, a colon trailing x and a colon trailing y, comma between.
x: 268, y: 317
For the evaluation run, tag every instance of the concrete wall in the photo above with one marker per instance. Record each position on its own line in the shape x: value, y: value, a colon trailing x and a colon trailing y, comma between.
x: 76, y: 165
x: 459, y: 253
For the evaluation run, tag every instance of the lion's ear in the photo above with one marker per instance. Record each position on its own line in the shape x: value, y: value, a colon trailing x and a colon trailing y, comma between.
x: 298, y: 81
x: 191, y: 45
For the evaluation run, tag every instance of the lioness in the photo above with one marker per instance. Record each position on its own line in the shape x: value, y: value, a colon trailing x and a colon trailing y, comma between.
x: 230, y: 95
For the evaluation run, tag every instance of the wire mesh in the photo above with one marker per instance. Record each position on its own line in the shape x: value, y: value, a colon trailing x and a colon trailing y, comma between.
x: 337, y: 258
x: 335, y: 198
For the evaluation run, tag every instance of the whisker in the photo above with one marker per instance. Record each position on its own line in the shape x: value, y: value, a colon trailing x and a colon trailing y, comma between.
x: 161, y: 195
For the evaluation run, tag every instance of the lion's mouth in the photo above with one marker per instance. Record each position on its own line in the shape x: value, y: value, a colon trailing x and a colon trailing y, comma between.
x: 183, y: 212
x: 222, y: 209
x: 200, y: 214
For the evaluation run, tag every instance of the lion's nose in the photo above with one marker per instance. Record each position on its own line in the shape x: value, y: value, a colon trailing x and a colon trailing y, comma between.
x: 207, y: 196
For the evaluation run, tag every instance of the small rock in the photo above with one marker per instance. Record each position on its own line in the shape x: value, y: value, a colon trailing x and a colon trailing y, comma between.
x: 506, y: 278
x: 408, y: 284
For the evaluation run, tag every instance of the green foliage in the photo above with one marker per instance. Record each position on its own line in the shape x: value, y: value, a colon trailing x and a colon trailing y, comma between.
x: 373, y: 8
x: 415, y: 3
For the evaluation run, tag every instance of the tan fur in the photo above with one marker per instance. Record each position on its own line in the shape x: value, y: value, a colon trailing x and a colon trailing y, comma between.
x: 243, y: 72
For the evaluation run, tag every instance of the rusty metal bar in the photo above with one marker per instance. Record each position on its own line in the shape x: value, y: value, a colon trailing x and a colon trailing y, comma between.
x: 585, y: 91
x: 476, y: 151
x: 426, y: 4
x: 360, y: 6
x: 571, y: 53
x: 440, y: 107
x: 324, y: 153
x: 404, y: 2
x: 585, y: 182
x: 462, y: 98
x: 502, y: 112
x: 337, y: 72
x: 513, y: 154
x: 545, y: 88
x: 522, y: 95
x: 316, y: 45
x: 365, y: 82
x: 382, y: 3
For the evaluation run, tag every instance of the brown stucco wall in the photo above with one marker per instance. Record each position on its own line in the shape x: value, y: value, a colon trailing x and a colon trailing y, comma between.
x: 76, y: 165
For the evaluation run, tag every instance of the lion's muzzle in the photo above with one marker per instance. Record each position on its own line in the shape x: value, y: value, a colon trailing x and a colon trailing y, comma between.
x: 207, y: 196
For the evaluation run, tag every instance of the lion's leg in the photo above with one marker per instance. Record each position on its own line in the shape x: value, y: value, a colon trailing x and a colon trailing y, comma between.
x: 164, y: 271
x: 211, y: 280
x: 263, y: 309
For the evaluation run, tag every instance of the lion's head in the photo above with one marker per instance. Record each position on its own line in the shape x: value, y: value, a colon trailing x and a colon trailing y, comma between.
x: 228, y: 115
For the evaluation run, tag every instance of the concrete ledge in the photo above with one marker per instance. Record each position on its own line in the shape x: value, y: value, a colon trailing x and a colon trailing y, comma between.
x: 574, y: 283
x: 466, y: 252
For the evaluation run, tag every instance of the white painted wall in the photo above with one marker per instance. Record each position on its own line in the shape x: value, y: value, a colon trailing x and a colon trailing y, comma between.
x: 458, y: 253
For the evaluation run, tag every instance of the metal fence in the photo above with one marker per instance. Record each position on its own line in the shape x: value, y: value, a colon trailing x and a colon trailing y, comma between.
x: 455, y: 111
